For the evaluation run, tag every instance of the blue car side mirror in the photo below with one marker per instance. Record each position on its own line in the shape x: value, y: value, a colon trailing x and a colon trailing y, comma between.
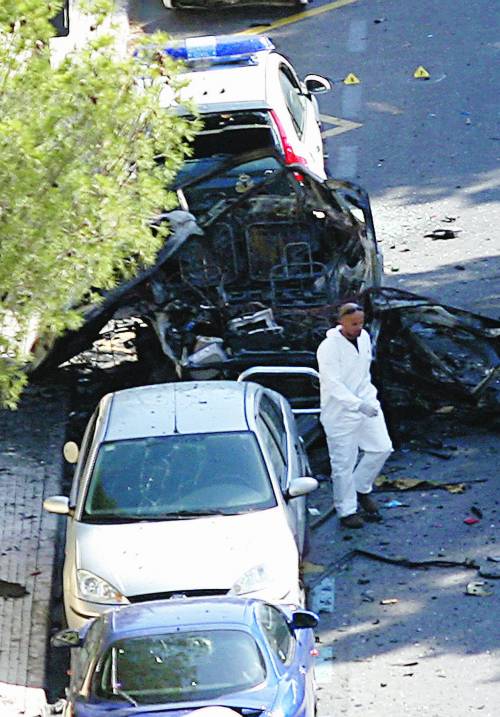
x: 303, y: 619
x: 66, y: 638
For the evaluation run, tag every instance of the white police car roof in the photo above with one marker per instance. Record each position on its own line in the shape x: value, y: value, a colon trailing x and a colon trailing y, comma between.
x: 223, y: 87
x: 216, y: 84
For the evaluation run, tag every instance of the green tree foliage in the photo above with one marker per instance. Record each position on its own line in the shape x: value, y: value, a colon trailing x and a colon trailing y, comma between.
x: 80, y: 179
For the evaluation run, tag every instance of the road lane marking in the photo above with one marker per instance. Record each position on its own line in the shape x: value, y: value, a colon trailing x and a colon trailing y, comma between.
x: 351, y: 101
x: 298, y: 17
x: 339, y: 125
x: 357, y: 36
x: 347, y: 162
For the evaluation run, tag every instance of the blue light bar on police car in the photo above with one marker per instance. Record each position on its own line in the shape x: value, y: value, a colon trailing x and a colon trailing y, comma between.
x: 219, y: 48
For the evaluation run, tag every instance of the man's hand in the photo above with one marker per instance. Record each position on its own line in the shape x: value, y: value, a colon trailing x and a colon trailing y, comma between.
x: 368, y: 409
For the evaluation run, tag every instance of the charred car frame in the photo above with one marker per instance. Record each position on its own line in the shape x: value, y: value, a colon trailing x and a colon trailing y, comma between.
x: 258, y: 256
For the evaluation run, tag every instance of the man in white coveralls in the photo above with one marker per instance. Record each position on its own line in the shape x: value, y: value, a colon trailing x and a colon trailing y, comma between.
x: 351, y: 416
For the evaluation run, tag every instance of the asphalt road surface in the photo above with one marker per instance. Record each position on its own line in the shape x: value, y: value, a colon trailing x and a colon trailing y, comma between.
x: 427, y: 150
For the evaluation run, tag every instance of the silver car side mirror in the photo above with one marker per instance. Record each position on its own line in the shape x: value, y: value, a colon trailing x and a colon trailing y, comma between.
x: 301, y: 486
x: 303, y: 619
x: 66, y: 638
x: 57, y: 504
x: 71, y: 451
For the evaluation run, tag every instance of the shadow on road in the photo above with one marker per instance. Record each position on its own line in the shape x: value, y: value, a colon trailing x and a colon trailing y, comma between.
x: 472, y: 285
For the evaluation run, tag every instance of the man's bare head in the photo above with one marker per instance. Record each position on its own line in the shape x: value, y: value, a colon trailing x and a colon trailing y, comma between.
x: 351, y: 319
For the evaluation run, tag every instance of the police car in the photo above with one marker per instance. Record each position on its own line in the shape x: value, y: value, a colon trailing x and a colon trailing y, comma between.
x: 250, y: 97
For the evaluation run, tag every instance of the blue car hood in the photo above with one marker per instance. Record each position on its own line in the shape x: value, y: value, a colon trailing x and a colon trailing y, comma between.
x: 248, y: 704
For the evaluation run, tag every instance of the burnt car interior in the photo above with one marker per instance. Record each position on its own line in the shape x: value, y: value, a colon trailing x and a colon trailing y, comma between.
x: 225, y: 133
x: 258, y: 255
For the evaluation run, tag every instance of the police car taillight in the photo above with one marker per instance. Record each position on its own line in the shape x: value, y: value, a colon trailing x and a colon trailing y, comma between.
x: 219, y: 48
x: 290, y: 155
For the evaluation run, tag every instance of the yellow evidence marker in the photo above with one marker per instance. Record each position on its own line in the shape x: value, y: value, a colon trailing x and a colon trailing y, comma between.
x: 351, y: 79
x: 421, y: 73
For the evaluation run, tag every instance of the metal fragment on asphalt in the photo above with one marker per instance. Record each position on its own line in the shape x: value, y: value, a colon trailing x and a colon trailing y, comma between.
x: 478, y: 588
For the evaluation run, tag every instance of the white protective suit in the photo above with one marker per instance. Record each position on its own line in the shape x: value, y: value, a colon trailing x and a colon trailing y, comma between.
x: 345, y: 383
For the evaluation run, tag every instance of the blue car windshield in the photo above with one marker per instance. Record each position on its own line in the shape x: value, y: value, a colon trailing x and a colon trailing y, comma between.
x: 178, y: 477
x: 179, y: 667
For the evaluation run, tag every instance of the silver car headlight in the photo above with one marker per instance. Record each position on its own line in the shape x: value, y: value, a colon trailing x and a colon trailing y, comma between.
x: 95, y: 589
x: 268, y: 581
x: 257, y: 578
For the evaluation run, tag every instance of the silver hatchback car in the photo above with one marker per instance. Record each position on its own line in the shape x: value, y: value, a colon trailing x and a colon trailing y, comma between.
x: 193, y: 488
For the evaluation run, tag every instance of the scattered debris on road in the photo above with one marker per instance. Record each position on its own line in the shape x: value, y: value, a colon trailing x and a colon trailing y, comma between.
x: 340, y: 564
x: 487, y: 570
x: 383, y: 483
x: 443, y: 234
x: 394, y: 504
x: 478, y: 588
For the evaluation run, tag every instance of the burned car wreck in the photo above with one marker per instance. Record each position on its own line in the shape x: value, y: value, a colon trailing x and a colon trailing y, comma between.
x: 433, y: 359
x: 259, y: 255
x: 256, y: 255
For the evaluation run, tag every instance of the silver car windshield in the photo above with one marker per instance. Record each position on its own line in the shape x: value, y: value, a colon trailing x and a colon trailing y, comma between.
x: 179, y: 667
x: 178, y: 477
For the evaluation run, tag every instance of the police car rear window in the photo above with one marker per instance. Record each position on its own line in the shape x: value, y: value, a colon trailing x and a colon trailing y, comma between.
x: 231, y: 133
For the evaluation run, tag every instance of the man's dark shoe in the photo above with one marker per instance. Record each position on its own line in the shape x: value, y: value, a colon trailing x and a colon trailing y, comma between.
x: 370, y: 508
x: 372, y: 517
x: 367, y: 503
x: 352, y: 521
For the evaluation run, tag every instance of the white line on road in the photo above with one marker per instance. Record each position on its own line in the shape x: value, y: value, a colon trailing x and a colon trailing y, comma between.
x: 339, y: 125
x: 347, y: 161
x: 357, y: 36
x: 351, y: 100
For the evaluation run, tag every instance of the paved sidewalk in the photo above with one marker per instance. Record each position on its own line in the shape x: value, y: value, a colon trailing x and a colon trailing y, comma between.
x: 30, y: 470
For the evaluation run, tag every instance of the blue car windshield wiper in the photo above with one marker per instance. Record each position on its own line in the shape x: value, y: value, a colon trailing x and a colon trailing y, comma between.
x: 138, y: 710
x: 121, y: 693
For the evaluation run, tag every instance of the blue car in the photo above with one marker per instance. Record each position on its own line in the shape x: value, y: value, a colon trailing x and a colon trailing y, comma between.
x: 178, y: 655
